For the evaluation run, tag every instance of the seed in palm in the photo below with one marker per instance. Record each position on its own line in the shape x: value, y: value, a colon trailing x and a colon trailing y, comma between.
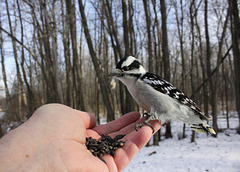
x: 105, y: 145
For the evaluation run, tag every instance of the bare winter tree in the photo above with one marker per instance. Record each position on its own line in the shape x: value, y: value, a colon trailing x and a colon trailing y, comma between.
x: 21, y: 93
x: 129, y: 105
x: 165, y: 53
x: 76, y: 67
x: 179, y: 20
x: 3, y: 66
x: 31, y: 101
x: 235, y: 25
x: 102, y: 80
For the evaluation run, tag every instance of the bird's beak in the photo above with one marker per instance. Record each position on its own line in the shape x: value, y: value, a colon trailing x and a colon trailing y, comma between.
x: 115, y: 72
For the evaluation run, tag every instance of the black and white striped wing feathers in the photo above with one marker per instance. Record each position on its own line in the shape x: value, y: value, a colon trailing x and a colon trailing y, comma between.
x: 167, y: 88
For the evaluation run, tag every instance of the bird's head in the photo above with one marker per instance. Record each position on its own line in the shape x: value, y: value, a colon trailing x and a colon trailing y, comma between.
x: 128, y: 68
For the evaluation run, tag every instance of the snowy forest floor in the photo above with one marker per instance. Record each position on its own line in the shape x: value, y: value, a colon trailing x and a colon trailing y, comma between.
x: 221, y: 154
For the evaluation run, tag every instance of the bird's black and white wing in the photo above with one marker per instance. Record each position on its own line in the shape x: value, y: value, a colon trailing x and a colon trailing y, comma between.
x: 167, y: 88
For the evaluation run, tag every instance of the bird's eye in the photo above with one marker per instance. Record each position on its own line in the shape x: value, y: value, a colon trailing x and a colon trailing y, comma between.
x: 125, y: 68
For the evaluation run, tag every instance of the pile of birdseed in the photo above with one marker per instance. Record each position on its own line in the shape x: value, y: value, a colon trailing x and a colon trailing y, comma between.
x: 105, y: 145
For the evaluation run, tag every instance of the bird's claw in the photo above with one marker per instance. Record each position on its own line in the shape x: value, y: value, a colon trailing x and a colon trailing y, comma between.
x: 146, y: 123
x: 138, y: 126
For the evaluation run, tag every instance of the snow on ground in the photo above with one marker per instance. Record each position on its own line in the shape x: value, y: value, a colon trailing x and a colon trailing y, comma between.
x: 221, y: 154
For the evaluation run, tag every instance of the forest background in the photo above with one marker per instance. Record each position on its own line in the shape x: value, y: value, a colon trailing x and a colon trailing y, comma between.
x: 61, y: 51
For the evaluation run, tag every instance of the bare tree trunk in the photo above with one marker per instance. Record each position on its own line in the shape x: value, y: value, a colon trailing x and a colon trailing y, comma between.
x: 125, y: 27
x: 168, y: 133
x: 148, y: 24
x: 20, y: 115
x: 55, y: 54
x: 214, y: 81
x: 180, y: 36
x: 192, y: 54
x: 202, y: 60
x: 213, y: 100
x: 44, y: 38
x: 219, y: 57
x: 31, y: 101
x: 158, y: 55
x: 102, y: 81
x: 8, y: 98
x: 132, y: 44
x: 76, y: 68
x: 225, y: 89
x: 235, y: 25
x: 67, y: 57
x: 129, y: 100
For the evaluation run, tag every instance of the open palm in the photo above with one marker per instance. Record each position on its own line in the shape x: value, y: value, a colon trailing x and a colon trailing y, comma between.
x: 53, y: 139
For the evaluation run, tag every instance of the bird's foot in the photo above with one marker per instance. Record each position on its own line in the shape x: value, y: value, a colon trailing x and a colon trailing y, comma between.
x: 146, y: 123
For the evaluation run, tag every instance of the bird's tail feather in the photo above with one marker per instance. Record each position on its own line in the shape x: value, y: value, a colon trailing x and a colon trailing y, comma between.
x: 202, y: 128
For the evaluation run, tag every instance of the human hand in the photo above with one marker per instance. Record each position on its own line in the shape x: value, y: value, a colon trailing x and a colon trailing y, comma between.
x: 53, y: 139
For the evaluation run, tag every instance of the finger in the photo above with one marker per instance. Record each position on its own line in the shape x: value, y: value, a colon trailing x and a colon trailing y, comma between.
x: 138, y: 139
x: 136, y: 136
x: 116, y: 125
x: 110, y: 163
x: 124, y: 131
x: 89, y: 119
x: 134, y: 142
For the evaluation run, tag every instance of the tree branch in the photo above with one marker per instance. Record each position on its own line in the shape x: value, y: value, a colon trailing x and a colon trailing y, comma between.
x: 212, y: 73
x: 30, y: 52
